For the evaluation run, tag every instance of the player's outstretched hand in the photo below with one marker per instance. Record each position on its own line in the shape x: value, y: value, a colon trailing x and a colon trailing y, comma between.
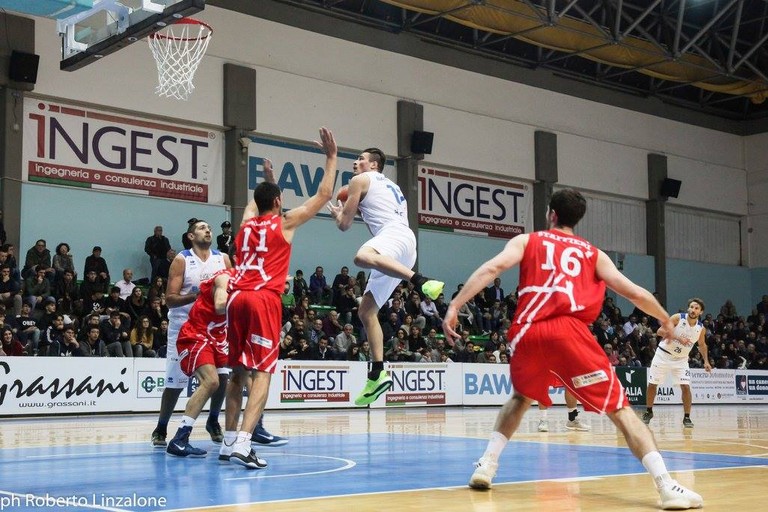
x: 449, y: 324
x: 327, y: 143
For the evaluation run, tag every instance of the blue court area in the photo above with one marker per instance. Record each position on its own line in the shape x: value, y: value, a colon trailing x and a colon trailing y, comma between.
x: 132, y: 476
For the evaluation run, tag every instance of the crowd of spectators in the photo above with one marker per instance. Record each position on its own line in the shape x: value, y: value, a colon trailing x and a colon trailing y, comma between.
x: 45, y: 310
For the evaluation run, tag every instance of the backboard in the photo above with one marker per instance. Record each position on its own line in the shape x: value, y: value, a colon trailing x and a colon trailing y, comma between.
x: 114, y: 24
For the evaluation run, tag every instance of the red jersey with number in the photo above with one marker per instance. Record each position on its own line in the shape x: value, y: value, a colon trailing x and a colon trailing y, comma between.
x: 262, y: 255
x: 558, y: 278
x: 203, y: 323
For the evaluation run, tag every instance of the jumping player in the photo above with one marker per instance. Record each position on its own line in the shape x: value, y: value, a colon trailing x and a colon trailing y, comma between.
x: 671, y: 358
x: 562, y: 284
x: 390, y: 254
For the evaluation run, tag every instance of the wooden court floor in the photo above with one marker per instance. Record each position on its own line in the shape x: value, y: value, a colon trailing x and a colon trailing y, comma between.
x: 400, y: 459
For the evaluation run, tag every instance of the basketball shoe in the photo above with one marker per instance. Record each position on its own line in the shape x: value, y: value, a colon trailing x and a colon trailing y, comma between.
x: 576, y: 424
x: 374, y: 389
x: 543, y: 426
x: 180, y: 447
x: 485, y: 470
x: 676, y: 497
x: 249, y: 460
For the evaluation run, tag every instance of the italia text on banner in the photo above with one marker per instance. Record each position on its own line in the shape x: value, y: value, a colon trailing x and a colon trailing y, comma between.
x: 463, y: 203
x: 90, y: 148
x: 298, y: 168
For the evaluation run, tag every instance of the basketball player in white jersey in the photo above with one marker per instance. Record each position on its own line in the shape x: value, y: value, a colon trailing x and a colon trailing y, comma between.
x: 390, y: 254
x: 671, y: 358
x: 189, y: 268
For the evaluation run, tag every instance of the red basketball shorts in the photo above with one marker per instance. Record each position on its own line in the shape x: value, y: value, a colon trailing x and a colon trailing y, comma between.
x: 194, y: 353
x: 254, y: 322
x: 563, y: 349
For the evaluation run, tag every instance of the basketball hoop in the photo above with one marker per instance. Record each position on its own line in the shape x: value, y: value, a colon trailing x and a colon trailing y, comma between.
x: 178, y: 51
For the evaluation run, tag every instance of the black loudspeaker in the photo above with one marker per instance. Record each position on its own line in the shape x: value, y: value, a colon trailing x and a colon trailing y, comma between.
x: 670, y: 187
x: 421, y: 142
x: 23, y: 67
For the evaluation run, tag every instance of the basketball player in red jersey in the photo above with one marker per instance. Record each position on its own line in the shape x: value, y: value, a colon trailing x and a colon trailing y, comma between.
x: 254, y: 310
x: 562, y: 284
x: 202, y: 348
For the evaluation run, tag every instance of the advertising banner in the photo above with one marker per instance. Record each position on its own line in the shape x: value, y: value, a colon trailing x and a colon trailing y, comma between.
x: 316, y: 384
x: 149, y: 383
x: 463, y: 203
x: 418, y: 384
x: 713, y: 387
x: 91, y: 148
x: 299, y: 168
x: 635, y: 382
x: 39, y: 385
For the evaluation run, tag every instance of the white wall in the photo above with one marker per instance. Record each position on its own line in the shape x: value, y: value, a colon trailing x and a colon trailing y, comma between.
x: 756, y: 156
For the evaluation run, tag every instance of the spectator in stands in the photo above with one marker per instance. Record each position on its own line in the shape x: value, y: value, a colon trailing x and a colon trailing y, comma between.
x: 416, y: 342
x: 344, y: 340
x: 157, y: 312
x: 467, y: 355
x: 51, y: 338
x: 98, y: 264
x: 347, y: 307
x: 466, y: 315
x: 37, y: 288
x: 353, y: 353
x: 315, y: 332
x: 494, y: 292
x: 646, y: 353
x: 8, y: 257
x: 10, y: 290
x: 441, y: 306
x: 319, y: 291
x: 160, y: 344
x: 302, y: 308
x: 429, y: 312
x: 300, y: 287
x: 396, y: 307
x: 3, y: 235
x: 340, y: 282
x: 67, y: 344
x: 67, y: 292
x: 157, y: 289
x: 303, y: 351
x: 10, y: 344
x: 224, y: 240
x: 361, y: 281
x: 27, y: 329
x: 431, y: 338
x: 399, y: 351
x: 331, y: 325
x: 142, y: 338
x: 287, y: 348
x: 164, y: 266
x: 93, y: 345
x: 288, y: 300
x: 323, y: 351
x: 125, y: 284
x: 115, y: 335
x: 728, y: 310
x: 89, y: 285
x: 365, y: 351
x: 612, y: 353
x: 136, y: 305
x: 487, y: 353
x: 38, y: 256
x: 762, y: 306
x: 49, y: 313
x: 62, y: 261
x: 156, y: 247
x: 413, y: 308
x: 399, y: 335
x: 630, y: 325
x: 438, y: 350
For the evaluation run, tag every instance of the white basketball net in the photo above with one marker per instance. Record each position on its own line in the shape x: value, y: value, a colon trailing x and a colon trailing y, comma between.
x: 178, y: 53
